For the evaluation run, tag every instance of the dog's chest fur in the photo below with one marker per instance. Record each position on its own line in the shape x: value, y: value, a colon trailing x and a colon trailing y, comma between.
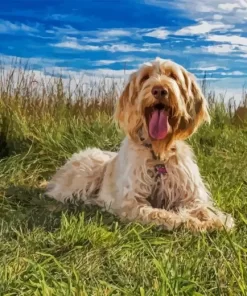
x: 161, y: 190
x: 168, y: 189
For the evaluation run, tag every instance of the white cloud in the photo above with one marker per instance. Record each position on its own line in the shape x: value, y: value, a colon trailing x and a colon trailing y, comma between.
x: 217, y: 17
x: 210, y: 68
x: 220, y: 49
x: 208, y: 79
x: 159, y: 33
x: 66, y: 30
x: 206, y: 9
x: 108, y: 34
x: 7, y: 27
x: 229, y: 6
x: 129, y: 48
x: 114, y: 32
x: 112, y: 47
x: 108, y: 73
x: 87, y: 79
x: 185, y: 5
x: 233, y: 73
x: 71, y: 38
x: 237, y: 30
x: 232, y: 39
x: 229, y: 43
x: 49, y: 72
x: 95, y: 39
x: 151, y: 45
x: 105, y: 35
x: 77, y: 46
x: 87, y: 82
x: 203, y: 27
x: 18, y: 61
x: 98, y: 73
x: 96, y: 36
x: 125, y: 60
x: 224, y: 89
x: 104, y: 62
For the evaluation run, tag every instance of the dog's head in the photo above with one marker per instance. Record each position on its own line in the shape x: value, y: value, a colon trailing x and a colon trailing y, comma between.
x: 164, y: 102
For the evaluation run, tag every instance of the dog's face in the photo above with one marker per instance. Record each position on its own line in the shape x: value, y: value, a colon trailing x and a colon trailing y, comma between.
x: 164, y: 102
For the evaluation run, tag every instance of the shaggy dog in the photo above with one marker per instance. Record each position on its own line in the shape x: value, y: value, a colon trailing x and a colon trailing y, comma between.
x: 154, y: 177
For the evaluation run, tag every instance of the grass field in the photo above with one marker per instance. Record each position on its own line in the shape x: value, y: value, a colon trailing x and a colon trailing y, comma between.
x: 50, y: 249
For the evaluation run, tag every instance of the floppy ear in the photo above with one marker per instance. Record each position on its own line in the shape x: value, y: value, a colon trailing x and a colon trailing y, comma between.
x: 126, y: 110
x: 197, y: 108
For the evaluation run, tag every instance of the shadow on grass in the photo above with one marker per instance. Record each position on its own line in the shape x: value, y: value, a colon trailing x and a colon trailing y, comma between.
x: 30, y: 207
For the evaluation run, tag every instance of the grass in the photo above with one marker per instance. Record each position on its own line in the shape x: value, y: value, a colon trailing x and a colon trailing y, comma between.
x: 50, y: 249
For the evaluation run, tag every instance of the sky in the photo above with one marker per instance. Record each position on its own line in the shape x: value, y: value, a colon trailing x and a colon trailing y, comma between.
x: 114, y: 37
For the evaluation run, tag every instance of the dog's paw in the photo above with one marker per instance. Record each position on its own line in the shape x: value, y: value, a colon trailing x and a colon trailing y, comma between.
x: 229, y: 222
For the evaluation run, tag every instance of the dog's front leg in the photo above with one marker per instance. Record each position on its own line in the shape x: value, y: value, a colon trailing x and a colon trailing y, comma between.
x: 132, y: 210
x: 211, y: 217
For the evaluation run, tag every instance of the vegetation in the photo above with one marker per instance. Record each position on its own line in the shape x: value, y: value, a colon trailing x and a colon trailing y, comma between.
x: 50, y: 249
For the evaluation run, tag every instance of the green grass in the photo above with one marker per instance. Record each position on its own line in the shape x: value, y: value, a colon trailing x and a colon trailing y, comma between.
x: 50, y: 249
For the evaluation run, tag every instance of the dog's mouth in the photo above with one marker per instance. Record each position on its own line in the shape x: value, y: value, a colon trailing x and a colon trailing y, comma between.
x: 157, y: 120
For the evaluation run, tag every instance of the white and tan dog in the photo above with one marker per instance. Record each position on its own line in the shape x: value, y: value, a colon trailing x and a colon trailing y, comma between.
x: 154, y: 177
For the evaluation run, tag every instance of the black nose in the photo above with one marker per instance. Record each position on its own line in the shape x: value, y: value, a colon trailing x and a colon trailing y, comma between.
x: 159, y: 92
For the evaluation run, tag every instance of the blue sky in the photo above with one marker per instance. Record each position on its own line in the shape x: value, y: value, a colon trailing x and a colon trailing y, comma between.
x: 99, y: 37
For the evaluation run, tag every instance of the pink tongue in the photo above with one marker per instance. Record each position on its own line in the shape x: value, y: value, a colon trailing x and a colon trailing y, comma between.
x: 158, y: 124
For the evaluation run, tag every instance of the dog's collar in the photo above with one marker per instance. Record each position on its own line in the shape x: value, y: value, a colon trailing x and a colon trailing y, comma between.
x: 159, y: 168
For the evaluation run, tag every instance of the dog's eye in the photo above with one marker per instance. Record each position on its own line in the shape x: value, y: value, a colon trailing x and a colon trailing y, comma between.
x: 144, y: 78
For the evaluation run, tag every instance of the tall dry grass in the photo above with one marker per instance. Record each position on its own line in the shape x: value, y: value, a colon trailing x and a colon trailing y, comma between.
x: 32, y: 104
x: 29, y: 102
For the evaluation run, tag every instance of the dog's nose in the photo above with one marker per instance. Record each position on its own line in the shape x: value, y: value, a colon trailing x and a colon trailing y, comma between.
x: 159, y: 92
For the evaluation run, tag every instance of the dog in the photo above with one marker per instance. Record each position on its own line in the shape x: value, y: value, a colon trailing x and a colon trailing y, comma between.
x: 154, y: 178
x: 240, y: 116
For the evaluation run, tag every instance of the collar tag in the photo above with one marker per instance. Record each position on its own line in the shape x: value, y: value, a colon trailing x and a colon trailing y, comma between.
x: 161, y: 169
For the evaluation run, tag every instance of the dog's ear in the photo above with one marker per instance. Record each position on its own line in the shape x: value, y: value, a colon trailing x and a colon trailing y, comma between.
x: 196, y: 106
x: 126, y: 110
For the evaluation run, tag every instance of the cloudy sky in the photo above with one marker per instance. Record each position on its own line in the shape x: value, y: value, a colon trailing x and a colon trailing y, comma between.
x: 113, y: 37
